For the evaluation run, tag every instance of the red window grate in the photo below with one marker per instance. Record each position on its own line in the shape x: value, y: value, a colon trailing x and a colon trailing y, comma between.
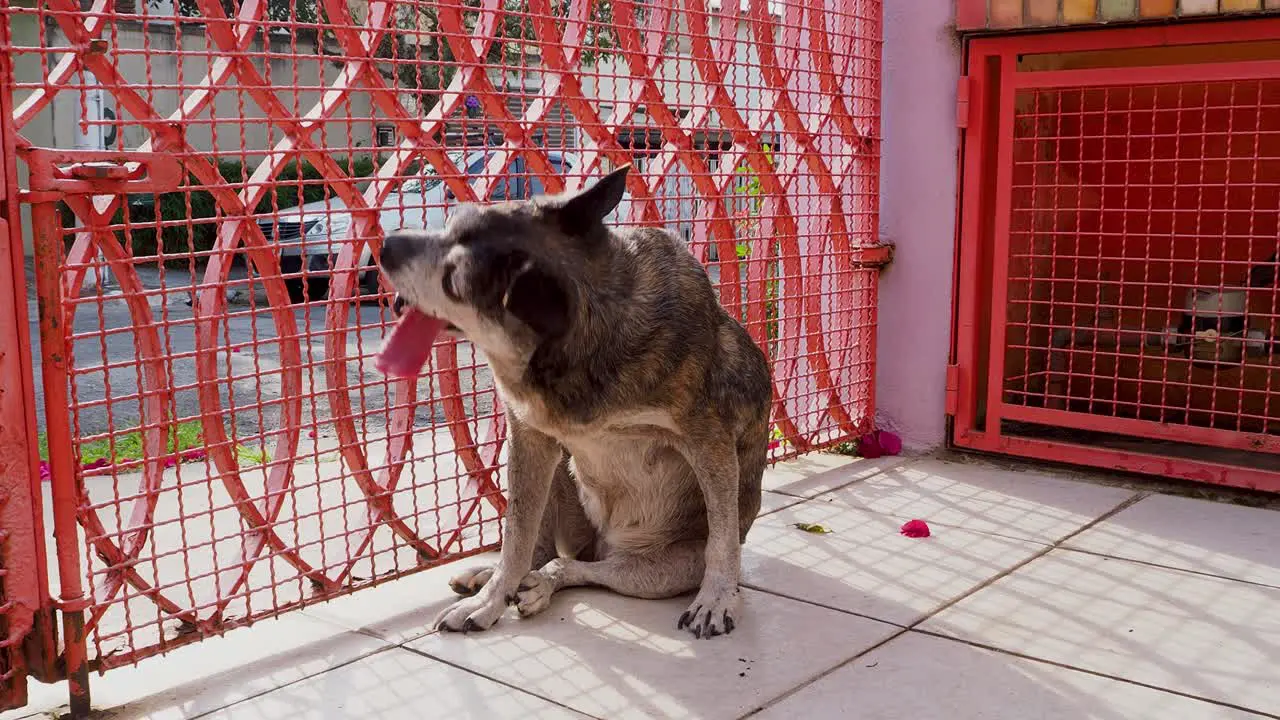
x: 209, y: 182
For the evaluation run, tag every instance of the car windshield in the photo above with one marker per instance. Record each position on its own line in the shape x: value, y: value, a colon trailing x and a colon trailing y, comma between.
x: 427, y: 178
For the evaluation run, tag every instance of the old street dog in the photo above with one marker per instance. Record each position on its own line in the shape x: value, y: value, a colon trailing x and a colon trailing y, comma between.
x: 638, y: 409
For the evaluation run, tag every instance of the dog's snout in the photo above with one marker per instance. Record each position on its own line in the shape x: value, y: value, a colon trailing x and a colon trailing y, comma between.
x: 397, y: 250
x: 397, y: 306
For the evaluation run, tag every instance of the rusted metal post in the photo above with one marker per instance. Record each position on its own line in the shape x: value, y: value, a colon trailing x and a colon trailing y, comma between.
x: 55, y: 363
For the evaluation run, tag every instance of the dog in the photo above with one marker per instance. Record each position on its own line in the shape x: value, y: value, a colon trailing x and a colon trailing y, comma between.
x: 637, y: 407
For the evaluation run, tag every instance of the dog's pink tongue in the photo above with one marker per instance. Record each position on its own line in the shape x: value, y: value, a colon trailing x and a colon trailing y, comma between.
x: 407, y: 348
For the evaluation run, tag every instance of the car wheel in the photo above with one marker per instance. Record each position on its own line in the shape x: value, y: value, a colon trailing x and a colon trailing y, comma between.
x: 369, y: 282
x: 310, y: 289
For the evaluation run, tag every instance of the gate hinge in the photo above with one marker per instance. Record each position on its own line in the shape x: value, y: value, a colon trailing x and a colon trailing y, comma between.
x: 873, y: 256
x: 962, y: 102
x: 952, y: 405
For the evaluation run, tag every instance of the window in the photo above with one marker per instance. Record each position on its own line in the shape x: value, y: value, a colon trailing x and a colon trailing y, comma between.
x: 385, y: 135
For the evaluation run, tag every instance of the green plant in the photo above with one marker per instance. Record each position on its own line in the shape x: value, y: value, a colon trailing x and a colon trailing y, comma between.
x: 128, y: 446
x: 849, y: 449
x: 751, y: 188
x: 747, y: 227
x: 253, y: 455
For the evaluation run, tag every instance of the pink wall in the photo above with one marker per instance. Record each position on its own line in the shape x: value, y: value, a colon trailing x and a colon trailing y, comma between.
x: 917, y: 206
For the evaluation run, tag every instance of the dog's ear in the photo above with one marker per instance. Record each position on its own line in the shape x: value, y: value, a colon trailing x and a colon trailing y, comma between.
x: 581, y: 212
x: 538, y: 299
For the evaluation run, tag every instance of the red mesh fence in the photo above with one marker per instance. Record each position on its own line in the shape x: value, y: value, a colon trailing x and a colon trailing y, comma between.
x: 1134, y: 240
x: 210, y: 184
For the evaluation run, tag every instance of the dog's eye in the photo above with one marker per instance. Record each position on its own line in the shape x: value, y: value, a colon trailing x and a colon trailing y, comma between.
x: 446, y: 284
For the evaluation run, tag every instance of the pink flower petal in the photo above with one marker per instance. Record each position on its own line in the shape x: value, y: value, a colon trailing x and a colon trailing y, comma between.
x: 96, y: 464
x: 916, y: 529
x: 889, y: 442
x: 170, y: 462
x: 869, y: 446
x: 194, y: 455
x: 45, y: 472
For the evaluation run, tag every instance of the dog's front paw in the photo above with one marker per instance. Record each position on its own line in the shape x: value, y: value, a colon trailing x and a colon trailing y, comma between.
x: 534, y: 594
x: 469, y: 581
x: 713, y: 612
x: 474, y: 613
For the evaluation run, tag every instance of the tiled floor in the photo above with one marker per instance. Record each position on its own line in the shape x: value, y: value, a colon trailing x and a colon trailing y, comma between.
x: 1036, y: 597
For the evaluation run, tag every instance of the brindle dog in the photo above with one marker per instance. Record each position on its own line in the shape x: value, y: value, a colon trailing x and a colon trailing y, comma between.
x: 638, y: 409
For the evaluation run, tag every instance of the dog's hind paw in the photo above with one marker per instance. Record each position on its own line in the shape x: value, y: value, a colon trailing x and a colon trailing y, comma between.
x: 469, y: 581
x: 713, y: 612
x: 534, y: 593
x: 471, y: 614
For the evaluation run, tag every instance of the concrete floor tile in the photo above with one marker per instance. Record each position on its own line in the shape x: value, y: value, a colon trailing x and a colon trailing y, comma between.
x: 395, y: 684
x: 615, y: 657
x: 816, y: 473
x: 1203, y: 636
x: 771, y: 501
x: 218, y: 671
x: 864, y: 565
x: 1198, y: 535
x: 919, y: 677
x: 985, y: 498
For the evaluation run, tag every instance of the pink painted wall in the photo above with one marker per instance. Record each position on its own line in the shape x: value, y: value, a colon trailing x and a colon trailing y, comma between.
x: 918, y: 189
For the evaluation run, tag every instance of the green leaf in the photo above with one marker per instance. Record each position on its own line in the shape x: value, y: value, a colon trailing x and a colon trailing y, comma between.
x: 252, y: 455
x: 812, y: 528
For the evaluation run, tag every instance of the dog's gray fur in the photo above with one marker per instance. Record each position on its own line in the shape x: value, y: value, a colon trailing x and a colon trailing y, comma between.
x: 638, y: 409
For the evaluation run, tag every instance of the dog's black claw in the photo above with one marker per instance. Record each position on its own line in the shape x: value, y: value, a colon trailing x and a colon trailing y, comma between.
x: 728, y: 623
x: 443, y: 626
x: 512, y: 599
x: 687, y: 618
x: 470, y: 626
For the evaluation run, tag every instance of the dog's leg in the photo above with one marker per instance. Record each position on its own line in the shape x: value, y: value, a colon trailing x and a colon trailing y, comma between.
x: 715, y: 463
x: 533, y: 461
x: 671, y: 571
x: 753, y: 458
x: 566, y: 532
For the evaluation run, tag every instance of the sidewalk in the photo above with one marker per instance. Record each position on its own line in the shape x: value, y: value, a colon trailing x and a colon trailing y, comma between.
x: 1037, y: 596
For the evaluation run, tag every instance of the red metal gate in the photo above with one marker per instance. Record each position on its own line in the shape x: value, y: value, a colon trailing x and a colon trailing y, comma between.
x: 25, y: 608
x: 1118, y: 253
x: 207, y: 186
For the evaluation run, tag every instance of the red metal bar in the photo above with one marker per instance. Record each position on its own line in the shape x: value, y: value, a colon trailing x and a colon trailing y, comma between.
x: 973, y: 230
x: 1252, y: 442
x: 1126, y: 461
x: 1000, y: 270
x: 27, y: 636
x: 1110, y: 77
x: 63, y: 477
